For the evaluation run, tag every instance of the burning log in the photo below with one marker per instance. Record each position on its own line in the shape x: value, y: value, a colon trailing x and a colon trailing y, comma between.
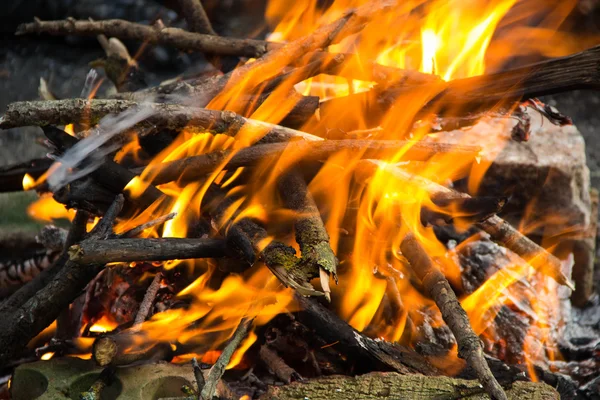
x: 500, y: 230
x: 115, y: 350
x: 196, y: 167
x: 436, y: 284
x: 128, y: 250
x: 311, y: 234
x: 156, y: 34
x: 22, y: 324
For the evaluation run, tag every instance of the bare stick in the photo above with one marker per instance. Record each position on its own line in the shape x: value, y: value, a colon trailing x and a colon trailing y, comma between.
x: 196, y: 17
x: 171, y: 116
x: 156, y: 34
x: 128, y: 250
x: 311, y: 234
x: 196, y: 167
x: 436, y: 284
x: 217, y: 370
x: 147, y: 303
x: 133, y: 232
x: 500, y: 230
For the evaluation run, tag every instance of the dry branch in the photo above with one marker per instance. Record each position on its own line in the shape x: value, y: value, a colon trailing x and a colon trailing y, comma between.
x: 311, y: 235
x: 196, y: 167
x: 170, y: 116
x: 128, y: 250
x: 156, y: 34
x: 133, y: 232
x: 500, y: 230
x: 436, y: 284
x: 19, y: 326
x: 195, y: 16
x: 217, y: 370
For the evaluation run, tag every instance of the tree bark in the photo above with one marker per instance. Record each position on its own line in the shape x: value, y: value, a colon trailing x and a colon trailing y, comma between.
x: 378, y: 385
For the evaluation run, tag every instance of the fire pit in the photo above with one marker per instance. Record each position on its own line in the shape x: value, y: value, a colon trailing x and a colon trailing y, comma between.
x: 355, y: 207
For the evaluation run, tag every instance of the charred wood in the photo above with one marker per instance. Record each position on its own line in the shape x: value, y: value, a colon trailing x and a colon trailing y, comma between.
x: 366, y: 352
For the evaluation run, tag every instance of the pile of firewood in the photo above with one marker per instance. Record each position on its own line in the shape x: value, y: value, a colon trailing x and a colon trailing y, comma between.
x: 88, y: 179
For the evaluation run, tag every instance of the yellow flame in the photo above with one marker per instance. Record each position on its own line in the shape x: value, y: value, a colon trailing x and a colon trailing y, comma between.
x: 28, y: 182
x: 47, y: 356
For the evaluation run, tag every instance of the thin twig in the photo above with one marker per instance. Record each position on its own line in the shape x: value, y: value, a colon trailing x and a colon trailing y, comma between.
x: 217, y: 370
x: 436, y: 284
x: 147, y: 303
x: 200, y: 382
x: 133, y: 232
x: 157, y: 34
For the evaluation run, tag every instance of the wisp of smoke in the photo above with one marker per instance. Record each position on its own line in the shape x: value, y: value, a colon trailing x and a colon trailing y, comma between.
x: 91, y: 149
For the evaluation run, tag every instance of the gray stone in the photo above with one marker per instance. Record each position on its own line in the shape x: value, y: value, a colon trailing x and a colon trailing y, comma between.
x: 546, y: 177
x: 66, y: 378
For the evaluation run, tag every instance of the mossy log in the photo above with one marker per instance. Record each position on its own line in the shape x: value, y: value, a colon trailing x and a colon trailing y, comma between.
x: 390, y: 385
